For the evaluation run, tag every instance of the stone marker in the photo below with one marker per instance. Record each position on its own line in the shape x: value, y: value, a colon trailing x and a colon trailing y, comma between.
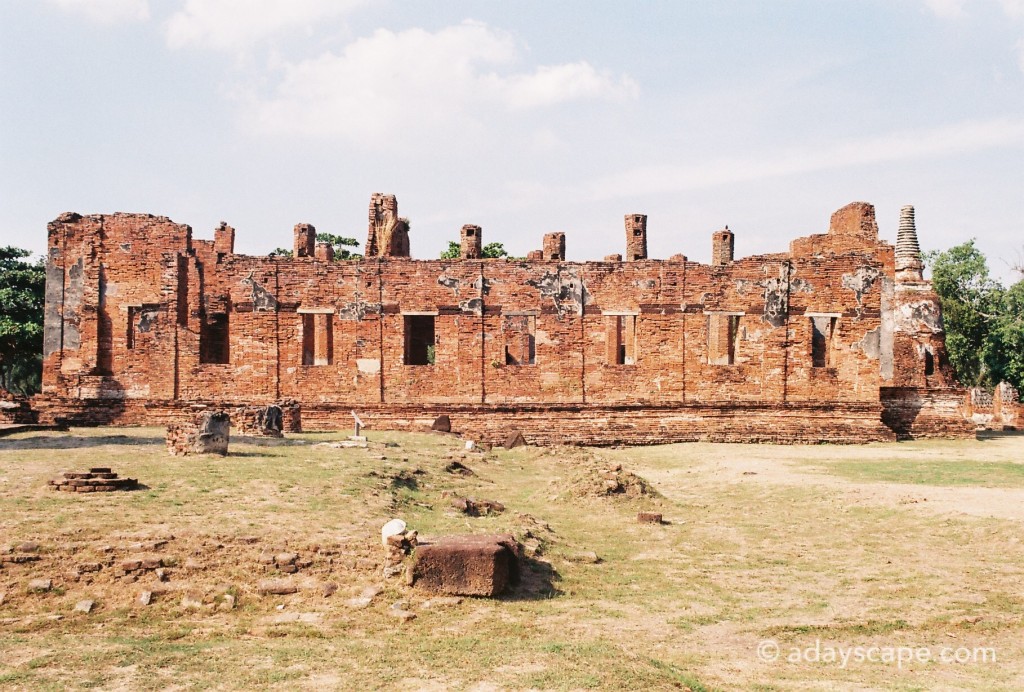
x: 468, y: 565
x: 514, y: 439
x: 84, y: 607
x: 649, y: 518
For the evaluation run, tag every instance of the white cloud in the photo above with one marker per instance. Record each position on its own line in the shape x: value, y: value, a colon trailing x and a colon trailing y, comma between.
x: 235, y: 25
x: 960, y: 138
x: 415, y: 81
x: 1013, y: 8
x: 107, y: 11
x: 946, y: 9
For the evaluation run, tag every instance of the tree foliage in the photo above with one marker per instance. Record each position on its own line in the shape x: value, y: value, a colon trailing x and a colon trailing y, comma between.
x: 488, y: 251
x: 984, y: 322
x: 341, y: 245
x: 22, y: 290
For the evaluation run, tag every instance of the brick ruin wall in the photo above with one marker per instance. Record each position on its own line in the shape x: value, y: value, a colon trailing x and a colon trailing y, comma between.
x: 827, y: 342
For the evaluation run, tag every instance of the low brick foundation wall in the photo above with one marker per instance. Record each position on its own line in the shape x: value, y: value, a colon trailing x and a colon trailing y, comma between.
x: 903, y: 413
x: 918, y: 413
x: 791, y: 423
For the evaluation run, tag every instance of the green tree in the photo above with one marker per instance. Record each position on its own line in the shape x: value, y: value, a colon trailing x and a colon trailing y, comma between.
x: 1004, y: 351
x: 972, y: 309
x: 22, y: 290
x: 341, y: 245
x: 281, y: 252
x: 488, y: 251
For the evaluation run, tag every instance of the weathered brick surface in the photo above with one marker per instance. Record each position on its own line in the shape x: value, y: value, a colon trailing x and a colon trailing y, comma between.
x: 823, y: 343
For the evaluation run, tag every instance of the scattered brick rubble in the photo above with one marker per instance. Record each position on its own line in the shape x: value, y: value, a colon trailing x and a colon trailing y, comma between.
x: 207, y: 433
x: 612, y: 481
x: 272, y: 420
x: 95, y: 480
x: 476, y: 508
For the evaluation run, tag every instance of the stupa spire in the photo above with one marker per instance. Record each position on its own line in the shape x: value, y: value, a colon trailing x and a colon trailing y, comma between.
x: 908, y: 252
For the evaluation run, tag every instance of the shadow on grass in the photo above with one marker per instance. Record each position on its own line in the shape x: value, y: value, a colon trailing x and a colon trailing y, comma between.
x: 234, y: 454
x: 536, y: 582
x: 985, y: 435
x: 77, y: 442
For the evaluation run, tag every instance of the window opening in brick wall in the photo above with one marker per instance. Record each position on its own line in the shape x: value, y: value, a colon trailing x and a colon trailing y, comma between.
x: 214, y: 339
x: 822, y: 328
x: 129, y: 337
x: 520, y: 339
x: 317, y: 338
x: 419, y: 340
x: 929, y: 363
x: 723, y: 331
x: 620, y: 338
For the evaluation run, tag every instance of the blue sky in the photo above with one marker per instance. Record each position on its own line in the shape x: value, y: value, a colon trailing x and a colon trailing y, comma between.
x: 524, y: 117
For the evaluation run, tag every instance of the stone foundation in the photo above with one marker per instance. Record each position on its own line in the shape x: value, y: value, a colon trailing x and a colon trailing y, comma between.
x: 15, y: 410
x: 95, y: 480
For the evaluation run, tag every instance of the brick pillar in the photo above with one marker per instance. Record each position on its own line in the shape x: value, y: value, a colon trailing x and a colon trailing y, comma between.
x: 472, y: 244
x: 636, y: 237
x: 305, y: 240
x: 554, y: 246
x: 224, y: 239
x: 324, y: 252
x: 722, y: 243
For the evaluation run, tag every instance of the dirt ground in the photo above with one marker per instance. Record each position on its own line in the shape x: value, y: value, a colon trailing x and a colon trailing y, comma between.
x: 883, y: 566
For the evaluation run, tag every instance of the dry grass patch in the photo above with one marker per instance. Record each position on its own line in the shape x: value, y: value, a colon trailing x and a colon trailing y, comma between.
x: 759, y: 543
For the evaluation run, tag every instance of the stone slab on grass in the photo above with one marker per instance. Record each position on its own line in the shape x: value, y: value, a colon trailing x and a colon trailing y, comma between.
x: 467, y: 565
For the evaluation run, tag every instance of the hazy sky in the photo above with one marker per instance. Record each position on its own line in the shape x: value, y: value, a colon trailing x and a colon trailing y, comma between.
x: 524, y: 117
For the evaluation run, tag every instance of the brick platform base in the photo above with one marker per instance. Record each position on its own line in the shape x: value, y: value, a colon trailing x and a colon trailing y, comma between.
x: 903, y: 413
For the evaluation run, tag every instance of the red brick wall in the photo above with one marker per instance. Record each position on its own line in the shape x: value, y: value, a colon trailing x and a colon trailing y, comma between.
x: 128, y: 297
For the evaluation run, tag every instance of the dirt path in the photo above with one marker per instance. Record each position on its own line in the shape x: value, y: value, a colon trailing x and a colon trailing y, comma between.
x: 795, y: 466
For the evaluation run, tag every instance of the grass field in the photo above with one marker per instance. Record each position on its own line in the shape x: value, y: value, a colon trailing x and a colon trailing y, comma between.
x: 814, y: 550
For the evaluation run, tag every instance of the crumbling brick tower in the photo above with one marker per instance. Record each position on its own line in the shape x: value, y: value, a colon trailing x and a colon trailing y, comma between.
x: 471, y: 245
x: 388, y: 235
x: 636, y: 237
x: 839, y: 339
